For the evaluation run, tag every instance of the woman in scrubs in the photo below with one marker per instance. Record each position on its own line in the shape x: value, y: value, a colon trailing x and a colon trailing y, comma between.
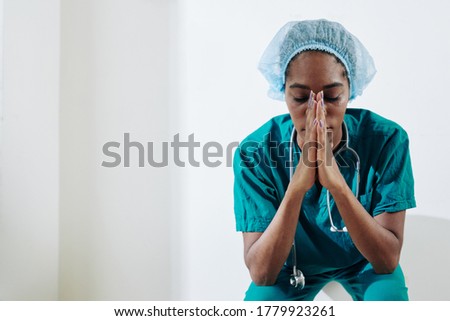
x: 317, y: 67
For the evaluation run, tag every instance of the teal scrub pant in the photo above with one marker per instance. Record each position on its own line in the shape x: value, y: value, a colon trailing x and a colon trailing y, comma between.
x: 360, y: 281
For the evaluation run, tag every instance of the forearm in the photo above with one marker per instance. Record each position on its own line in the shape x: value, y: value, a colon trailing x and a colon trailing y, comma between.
x: 266, y: 256
x: 378, y: 245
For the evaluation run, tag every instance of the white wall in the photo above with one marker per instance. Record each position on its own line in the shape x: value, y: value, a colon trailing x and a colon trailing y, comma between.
x: 29, y: 151
x: 78, y: 74
x: 114, y: 222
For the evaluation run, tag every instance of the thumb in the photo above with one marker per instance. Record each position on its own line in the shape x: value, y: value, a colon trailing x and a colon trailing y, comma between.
x: 329, y: 147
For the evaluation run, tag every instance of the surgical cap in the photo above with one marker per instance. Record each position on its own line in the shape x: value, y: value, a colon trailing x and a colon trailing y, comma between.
x: 323, y: 35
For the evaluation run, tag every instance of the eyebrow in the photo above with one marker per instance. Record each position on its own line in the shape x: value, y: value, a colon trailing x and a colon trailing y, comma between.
x: 334, y: 84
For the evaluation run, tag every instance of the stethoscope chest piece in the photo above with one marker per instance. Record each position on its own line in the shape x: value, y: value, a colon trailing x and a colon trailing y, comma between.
x: 297, y: 279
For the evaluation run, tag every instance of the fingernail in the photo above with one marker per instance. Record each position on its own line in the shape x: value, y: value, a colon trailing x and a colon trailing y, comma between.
x: 310, y: 101
x: 314, y: 122
x: 321, y: 123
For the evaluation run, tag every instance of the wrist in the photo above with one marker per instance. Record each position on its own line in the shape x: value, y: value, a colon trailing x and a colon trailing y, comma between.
x: 296, y: 190
x: 340, y: 189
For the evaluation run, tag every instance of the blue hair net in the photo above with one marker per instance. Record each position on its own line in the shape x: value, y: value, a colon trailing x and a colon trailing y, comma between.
x: 323, y: 35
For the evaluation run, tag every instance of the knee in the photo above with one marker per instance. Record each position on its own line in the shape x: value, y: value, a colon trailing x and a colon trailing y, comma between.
x: 280, y: 291
x: 264, y: 293
x: 386, y: 290
x: 383, y: 287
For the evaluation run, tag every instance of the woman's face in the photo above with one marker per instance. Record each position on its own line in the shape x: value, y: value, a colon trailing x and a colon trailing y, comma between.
x: 317, y: 71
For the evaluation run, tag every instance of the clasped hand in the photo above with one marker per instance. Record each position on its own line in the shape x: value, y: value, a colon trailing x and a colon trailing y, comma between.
x: 317, y: 162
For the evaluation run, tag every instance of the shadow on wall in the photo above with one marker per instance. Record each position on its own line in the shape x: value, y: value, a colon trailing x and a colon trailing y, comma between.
x: 425, y: 260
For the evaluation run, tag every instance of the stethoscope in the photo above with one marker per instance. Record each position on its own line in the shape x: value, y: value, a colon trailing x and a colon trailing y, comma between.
x: 297, y: 279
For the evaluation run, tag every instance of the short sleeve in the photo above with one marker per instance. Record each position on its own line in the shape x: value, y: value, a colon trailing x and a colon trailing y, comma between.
x: 394, y: 185
x: 255, y: 195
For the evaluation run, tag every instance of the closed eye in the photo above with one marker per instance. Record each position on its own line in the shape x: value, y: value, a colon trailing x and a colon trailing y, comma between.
x: 301, y: 99
x: 331, y: 99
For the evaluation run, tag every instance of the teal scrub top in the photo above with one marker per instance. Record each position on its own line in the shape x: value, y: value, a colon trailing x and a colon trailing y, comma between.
x: 261, y: 170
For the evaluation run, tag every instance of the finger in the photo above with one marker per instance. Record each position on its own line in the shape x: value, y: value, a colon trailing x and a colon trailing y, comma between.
x: 312, y: 122
x: 303, y: 136
x: 321, y: 116
x: 309, y: 141
x: 310, y: 116
x: 329, y: 141
x: 312, y: 97
x: 321, y: 128
x: 310, y: 111
x: 310, y: 145
x: 320, y: 144
x: 320, y: 112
